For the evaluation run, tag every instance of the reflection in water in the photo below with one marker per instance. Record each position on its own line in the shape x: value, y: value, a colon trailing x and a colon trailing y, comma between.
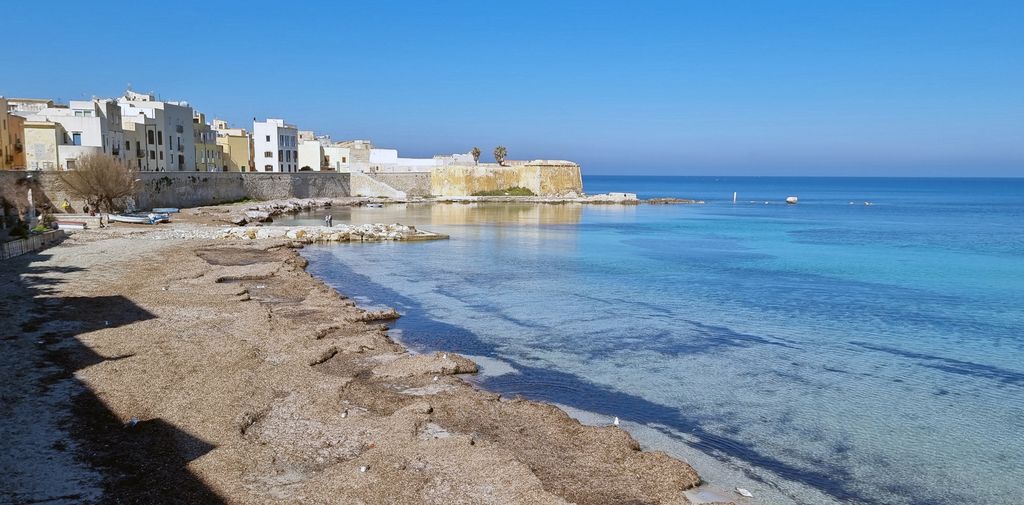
x: 423, y: 214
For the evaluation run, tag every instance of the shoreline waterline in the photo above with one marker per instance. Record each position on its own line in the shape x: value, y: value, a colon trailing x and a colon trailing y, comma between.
x: 720, y: 472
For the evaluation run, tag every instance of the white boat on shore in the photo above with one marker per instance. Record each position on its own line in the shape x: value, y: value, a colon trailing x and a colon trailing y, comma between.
x: 131, y: 219
x: 71, y: 225
x: 150, y: 218
x: 166, y: 210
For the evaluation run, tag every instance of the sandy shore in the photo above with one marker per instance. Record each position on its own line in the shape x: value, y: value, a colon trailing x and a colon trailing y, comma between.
x: 143, y: 369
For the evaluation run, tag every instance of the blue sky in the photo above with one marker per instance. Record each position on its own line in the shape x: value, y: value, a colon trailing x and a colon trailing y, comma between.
x: 689, y: 87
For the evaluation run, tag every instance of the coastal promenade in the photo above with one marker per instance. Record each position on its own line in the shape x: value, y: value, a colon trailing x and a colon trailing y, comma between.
x: 144, y: 363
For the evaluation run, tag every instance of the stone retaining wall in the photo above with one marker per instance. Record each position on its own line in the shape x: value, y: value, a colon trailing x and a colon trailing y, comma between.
x: 187, y: 189
x: 412, y: 183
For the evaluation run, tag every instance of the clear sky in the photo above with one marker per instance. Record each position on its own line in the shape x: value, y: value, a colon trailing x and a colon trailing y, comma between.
x: 773, y: 87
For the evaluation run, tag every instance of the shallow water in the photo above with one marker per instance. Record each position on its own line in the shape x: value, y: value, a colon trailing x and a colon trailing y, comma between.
x: 872, y: 353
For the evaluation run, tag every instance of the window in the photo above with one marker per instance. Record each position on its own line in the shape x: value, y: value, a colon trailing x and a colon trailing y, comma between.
x: 181, y: 159
x: 127, y: 144
x: 71, y: 164
x: 179, y: 129
x: 268, y: 154
x: 150, y: 132
x: 160, y: 138
x: 161, y: 155
x: 152, y: 155
x: 76, y: 138
x: 268, y: 168
x: 344, y: 159
x: 268, y: 138
x: 280, y: 155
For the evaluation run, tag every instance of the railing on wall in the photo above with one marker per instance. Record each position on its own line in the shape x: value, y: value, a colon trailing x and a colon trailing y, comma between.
x: 15, y: 248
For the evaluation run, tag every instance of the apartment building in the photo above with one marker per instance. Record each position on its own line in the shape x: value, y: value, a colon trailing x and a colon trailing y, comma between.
x: 67, y: 132
x: 275, y: 146
x: 209, y: 154
x: 12, y: 138
x: 161, y: 137
x: 237, y: 146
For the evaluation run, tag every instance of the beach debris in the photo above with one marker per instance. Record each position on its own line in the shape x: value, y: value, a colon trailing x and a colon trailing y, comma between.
x: 344, y: 414
x: 163, y: 288
x: 615, y: 422
x: 435, y: 378
x: 445, y: 356
x: 364, y: 469
x: 131, y: 422
x: 743, y: 492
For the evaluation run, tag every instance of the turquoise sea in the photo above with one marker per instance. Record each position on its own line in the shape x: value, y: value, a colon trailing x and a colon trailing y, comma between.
x: 825, y: 352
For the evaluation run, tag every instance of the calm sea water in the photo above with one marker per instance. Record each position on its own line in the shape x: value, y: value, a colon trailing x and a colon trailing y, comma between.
x: 827, y: 351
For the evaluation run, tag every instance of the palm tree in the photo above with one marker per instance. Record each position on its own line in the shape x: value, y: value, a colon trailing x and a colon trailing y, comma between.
x: 499, y: 154
x: 476, y: 154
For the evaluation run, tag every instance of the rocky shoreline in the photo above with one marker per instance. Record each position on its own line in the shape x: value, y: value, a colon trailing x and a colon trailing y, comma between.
x: 220, y: 371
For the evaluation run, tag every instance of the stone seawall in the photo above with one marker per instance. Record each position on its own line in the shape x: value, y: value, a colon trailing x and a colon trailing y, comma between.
x: 186, y: 189
x: 544, y: 178
x: 412, y: 183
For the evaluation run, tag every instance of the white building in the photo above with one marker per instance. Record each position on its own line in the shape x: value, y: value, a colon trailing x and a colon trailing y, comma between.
x: 275, y: 146
x: 86, y: 127
x: 311, y: 155
x: 159, y: 132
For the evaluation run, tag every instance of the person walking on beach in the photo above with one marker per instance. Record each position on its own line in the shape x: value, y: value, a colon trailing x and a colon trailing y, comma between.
x: 329, y: 220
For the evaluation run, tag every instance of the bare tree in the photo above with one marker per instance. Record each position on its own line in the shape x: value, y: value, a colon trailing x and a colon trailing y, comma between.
x: 476, y: 154
x: 499, y: 154
x: 102, y: 180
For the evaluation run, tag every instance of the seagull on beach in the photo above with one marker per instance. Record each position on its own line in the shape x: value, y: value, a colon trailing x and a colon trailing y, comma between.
x: 615, y: 422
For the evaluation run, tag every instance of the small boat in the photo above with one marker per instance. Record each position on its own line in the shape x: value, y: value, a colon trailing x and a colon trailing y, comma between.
x: 791, y: 200
x: 375, y: 205
x: 130, y: 218
x: 150, y: 218
x: 71, y: 225
x: 166, y: 210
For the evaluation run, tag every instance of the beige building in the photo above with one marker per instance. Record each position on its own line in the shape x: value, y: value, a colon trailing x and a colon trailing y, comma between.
x: 236, y: 144
x: 42, y: 144
x: 12, y: 139
x: 209, y: 153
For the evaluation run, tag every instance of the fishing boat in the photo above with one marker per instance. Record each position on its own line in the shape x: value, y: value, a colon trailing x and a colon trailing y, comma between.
x: 166, y: 210
x: 791, y: 200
